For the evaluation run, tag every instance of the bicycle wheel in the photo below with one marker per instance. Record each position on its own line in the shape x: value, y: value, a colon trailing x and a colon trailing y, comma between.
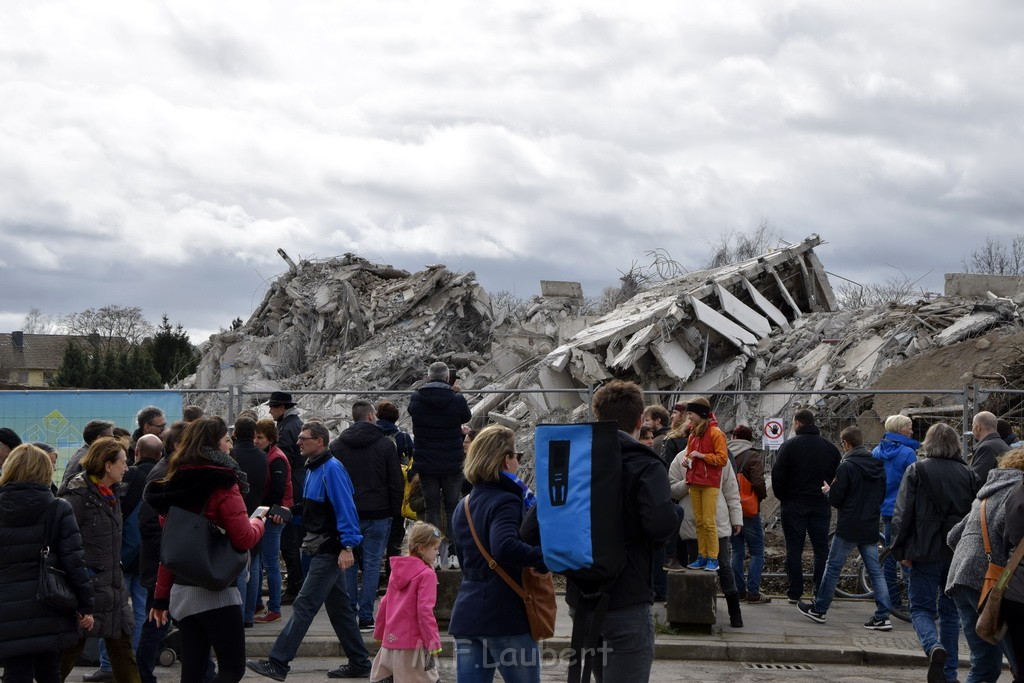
x: 899, y: 598
x: 851, y: 583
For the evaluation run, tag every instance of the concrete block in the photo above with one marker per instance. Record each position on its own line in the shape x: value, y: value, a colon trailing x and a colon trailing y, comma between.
x: 975, y: 285
x: 691, y: 599
x: 572, y: 290
x: 448, y: 582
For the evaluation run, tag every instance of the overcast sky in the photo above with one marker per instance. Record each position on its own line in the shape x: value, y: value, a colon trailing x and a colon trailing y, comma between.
x: 157, y: 155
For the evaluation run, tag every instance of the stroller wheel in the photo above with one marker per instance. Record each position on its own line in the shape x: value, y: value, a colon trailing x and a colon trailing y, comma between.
x: 168, y: 657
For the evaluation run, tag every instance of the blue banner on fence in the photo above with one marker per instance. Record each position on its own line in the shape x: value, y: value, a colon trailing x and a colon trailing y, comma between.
x: 58, y: 417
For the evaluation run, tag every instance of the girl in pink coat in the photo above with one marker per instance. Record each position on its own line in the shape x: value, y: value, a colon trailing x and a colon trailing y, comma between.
x: 405, y: 626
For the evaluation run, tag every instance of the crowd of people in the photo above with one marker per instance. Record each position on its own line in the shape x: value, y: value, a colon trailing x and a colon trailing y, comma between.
x: 320, y: 519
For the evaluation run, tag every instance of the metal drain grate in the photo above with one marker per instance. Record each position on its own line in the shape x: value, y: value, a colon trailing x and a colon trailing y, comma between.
x: 759, y: 666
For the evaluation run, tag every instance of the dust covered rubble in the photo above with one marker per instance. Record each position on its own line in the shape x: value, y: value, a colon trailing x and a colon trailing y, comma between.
x: 769, y: 324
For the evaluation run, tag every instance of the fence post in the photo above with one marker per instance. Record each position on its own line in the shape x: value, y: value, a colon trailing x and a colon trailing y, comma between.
x: 967, y: 417
x: 590, y: 403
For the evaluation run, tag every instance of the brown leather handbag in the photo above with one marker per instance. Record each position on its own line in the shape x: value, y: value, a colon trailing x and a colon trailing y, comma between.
x: 994, y: 571
x: 537, y: 590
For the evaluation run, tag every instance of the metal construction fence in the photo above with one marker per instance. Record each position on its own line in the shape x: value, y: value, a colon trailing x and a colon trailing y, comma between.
x: 57, y: 417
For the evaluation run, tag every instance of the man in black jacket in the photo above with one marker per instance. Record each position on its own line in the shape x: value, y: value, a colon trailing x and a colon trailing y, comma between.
x: 803, y: 462
x: 289, y: 424
x: 857, y: 494
x: 988, y: 445
x: 438, y: 412
x: 252, y: 460
x: 371, y: 459
x: 627, y: 634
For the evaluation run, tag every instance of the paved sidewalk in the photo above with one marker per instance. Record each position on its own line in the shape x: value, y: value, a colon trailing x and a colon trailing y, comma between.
x: 773, y: 633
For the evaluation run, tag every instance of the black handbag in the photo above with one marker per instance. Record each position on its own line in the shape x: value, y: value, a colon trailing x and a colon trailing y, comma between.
x: 198, y: 551
x: 53, y: 589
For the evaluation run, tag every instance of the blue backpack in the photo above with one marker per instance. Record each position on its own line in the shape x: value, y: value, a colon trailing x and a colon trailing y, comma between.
x: 579, y: 513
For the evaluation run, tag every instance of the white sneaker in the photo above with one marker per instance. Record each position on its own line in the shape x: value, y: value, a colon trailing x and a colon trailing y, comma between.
x: 453, y: 562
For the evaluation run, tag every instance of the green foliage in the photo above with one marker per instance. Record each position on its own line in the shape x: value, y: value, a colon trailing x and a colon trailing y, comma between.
x: 106, y: 367
x: 172, y: 353
x: 74, y: 370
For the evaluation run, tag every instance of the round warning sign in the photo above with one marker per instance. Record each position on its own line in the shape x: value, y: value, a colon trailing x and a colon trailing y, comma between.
x: 774, y: 432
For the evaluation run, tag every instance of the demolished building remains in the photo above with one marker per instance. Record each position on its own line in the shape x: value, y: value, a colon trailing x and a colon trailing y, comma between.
x: 769, y: 325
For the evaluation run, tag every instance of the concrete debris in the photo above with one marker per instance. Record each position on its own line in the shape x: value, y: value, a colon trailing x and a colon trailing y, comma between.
x: 770, y: 324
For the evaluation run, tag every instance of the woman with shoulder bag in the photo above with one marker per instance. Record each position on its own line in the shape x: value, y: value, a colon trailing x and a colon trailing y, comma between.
x: 32, y: 635
x: 93, y: 494
x: 202, y: 477
x: 1012, y: 606
x: 489, y: 619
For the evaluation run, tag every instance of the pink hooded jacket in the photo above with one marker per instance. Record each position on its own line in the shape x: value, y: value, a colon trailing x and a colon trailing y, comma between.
x: 405, y: 618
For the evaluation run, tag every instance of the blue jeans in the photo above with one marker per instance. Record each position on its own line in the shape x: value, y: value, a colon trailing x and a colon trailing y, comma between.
x: 375, y: 543
x: 799, y: 520
x: 891, y: 566
x: 324, y: 585
x: 927, y: 600
x: 516, y: 657
x: 270, y: 563
x: 986, y: 658
x: 438, y: 488
x: 841, y: 549
x: 751, y: 537
x: 138, y: 594
x: 626, y: 648
x: 249, y: 587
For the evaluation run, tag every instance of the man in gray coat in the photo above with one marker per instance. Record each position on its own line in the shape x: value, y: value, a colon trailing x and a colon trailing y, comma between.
x: 988, y: 447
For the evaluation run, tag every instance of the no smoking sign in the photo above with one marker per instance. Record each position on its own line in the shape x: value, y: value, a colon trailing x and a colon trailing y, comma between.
x: 774, y: 433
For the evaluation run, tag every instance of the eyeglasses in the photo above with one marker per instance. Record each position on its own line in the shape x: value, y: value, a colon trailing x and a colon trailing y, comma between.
x: 158, y: 426
x: 518, y: 455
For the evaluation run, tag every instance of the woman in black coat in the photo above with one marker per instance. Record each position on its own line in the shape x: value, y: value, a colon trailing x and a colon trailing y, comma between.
x: 93, y: 494
x: 31, y: 635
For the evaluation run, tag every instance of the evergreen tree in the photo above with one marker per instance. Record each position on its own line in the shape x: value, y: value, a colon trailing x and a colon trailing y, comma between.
x: 74, y: 367
x: 140, y: 369
x: 172, y: 352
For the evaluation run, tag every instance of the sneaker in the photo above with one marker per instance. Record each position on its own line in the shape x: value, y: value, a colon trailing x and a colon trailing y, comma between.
x: 366, y: 624
x: 711, y: 565
x: 265, y: 667
x: 937, y: 665
x: 793, y: 601
x: 698, y: 563
x: 453, y: 562
x: 742, y: 595
x: 673, y: 565
x: 348, y: 671
x: 807, y: 609
x: 878, y: 624
x: 99, y: 675
x: 758, y: 599
x: 267, y: 617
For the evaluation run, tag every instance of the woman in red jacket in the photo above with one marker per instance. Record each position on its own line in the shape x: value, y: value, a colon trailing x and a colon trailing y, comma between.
x: 201, y: 476
x: 706, y: 454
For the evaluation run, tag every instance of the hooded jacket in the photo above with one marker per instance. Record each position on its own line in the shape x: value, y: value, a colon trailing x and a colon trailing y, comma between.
x: 438, y: 413
x: 748, y: 461
x: 856, y: 494
x: 922, y: 519
x: 371, y: 460
x: 27, y: 627
x: 405, y: 616
x: 802, y: 463
x: 896, y: 452
x: 969, y: 561
x: 728, y: 510
x: 212, y: 489
x: 100, y: 525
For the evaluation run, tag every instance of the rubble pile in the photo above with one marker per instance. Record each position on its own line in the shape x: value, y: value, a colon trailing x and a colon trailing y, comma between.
x: 768, y: 325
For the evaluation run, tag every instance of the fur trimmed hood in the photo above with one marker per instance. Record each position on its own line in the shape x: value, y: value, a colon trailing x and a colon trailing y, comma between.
x: 190, y: 487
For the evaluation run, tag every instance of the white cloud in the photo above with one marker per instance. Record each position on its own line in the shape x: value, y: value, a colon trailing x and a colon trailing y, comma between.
x: 570, y: 138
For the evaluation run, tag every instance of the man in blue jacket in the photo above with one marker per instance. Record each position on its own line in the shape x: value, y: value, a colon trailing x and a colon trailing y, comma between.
x: 438, y: 412
x: 897, y: 451
x: 332, y: 533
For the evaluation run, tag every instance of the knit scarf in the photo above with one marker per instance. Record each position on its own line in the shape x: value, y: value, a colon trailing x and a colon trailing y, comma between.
x: 529, y: 497
x: 106, y: 493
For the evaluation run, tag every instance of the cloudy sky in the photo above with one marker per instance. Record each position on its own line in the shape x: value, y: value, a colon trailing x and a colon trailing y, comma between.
x: 157, y: 154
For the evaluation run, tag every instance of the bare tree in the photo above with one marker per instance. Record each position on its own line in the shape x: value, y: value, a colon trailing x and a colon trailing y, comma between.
x: 896, y: 289
x: 997, y: 257
x: 110, y: 323
x: 508, y: 303
x: 734, y: 246
x: 37, y: 322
